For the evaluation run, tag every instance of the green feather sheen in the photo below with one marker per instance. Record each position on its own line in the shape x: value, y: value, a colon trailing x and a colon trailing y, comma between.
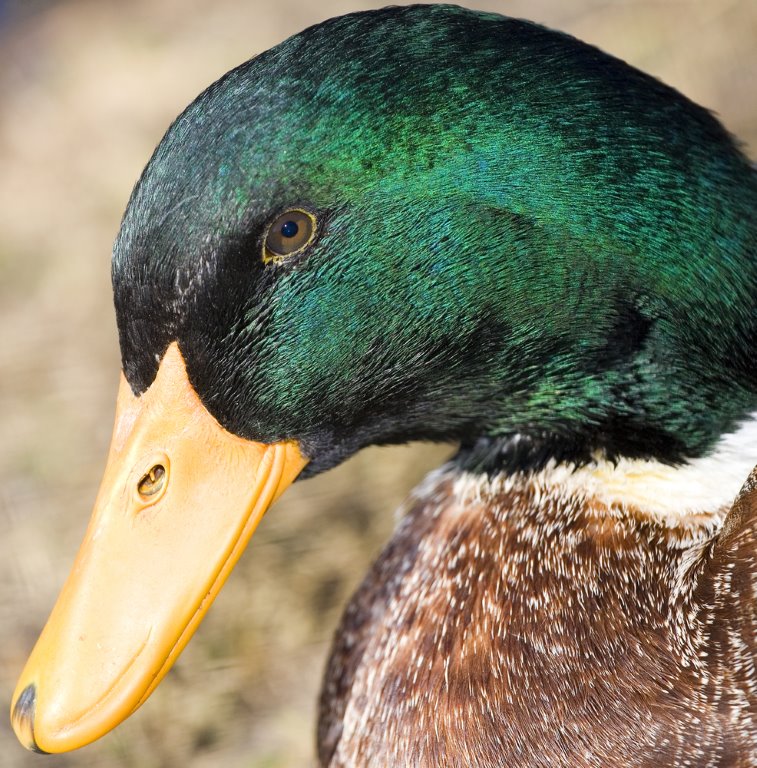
x: 519, y: 234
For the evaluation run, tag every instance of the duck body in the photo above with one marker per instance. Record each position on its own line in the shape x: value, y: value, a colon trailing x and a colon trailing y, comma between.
x: 429, y: 223
x: 511, y: 623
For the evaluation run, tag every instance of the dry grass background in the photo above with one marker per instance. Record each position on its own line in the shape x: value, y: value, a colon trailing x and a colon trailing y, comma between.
x: 86, y: 89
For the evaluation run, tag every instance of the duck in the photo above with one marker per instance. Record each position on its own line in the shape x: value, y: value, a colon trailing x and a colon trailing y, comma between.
x: 430, y: 223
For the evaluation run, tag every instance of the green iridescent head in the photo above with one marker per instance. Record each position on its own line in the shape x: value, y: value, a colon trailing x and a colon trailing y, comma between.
x: 518, y: 242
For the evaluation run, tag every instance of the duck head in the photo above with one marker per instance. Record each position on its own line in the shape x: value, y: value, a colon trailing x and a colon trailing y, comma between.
x: 414, y: 223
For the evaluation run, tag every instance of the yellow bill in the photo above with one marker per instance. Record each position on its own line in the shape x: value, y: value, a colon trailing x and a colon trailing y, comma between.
x: 178, y: 503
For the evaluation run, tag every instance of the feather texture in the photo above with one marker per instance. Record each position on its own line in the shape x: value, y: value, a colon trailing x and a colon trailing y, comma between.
x: 520, y: 625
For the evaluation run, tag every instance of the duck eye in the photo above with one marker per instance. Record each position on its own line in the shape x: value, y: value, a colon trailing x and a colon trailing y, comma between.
x: 289, y: 233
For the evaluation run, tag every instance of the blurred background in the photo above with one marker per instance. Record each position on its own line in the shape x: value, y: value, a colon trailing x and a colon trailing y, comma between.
x: 87, y: 88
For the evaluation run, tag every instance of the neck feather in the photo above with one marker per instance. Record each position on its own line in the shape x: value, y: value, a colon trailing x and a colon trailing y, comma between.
x: 697, y: 492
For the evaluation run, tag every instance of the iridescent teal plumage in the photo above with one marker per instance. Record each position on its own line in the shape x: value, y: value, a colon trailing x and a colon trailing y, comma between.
x: 555, y: 244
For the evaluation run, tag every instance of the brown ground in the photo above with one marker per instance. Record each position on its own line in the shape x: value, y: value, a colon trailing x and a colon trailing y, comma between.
x: 87, y: 88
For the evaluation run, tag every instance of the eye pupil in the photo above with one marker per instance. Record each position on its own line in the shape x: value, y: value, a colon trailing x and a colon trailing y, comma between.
x: 289, y: 229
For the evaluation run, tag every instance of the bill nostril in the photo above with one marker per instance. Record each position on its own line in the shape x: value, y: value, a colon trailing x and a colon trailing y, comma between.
x: 152, y: 481
x: 23, y: 718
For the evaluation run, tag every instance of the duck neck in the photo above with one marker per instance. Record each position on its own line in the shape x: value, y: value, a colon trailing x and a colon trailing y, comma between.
x: 698, y: 491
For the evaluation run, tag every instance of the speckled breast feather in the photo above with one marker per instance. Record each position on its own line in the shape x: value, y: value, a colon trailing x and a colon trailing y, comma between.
x: 526, y: 628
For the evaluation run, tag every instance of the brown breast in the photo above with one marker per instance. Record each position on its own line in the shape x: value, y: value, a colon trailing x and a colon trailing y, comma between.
x: 519, y: 627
